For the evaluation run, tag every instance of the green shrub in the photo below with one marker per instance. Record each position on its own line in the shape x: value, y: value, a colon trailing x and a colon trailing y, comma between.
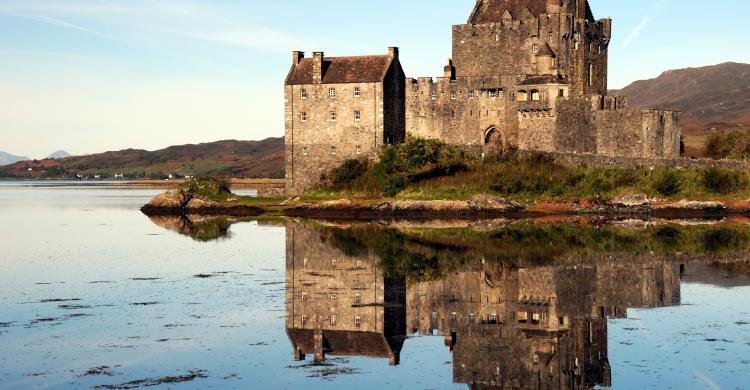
x: 722, y: 181
x: 345, y: 174
x: 666, y: 182
x: 208, y: 187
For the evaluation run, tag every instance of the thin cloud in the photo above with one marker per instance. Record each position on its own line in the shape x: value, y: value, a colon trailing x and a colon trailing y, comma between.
x: 647, y: 19
x: 62, y: 24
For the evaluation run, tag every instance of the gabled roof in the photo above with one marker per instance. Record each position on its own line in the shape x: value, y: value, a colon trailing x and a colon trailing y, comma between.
x: 493, y: 11
x: 544, y: 79
x: 347, y: 343
x: 338, y: 70
x: 546, y: 50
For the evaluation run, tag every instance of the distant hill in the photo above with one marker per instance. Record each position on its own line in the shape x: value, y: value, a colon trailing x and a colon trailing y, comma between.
x: 6, y: 158
x: 232, y: 159
x: 711, y: 94
x: 713, y: 99
x: 59, y: 154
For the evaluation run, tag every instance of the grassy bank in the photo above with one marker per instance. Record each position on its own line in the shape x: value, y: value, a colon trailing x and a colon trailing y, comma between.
x: 426, y: 169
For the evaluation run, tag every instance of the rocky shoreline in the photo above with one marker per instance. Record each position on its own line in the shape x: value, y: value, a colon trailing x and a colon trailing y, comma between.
x: 178, y: 202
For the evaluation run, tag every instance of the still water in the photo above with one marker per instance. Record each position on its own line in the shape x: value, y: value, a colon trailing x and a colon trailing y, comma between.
x: 94, y: 294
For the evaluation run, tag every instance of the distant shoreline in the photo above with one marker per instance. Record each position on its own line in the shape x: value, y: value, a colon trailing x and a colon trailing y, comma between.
x: 153, y: 183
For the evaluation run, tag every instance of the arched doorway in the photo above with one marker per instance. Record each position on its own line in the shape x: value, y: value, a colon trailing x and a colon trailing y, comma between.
x: 495, y: 142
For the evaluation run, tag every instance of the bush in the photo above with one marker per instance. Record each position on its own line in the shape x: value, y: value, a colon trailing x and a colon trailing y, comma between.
x: 666, y: 182
x: 414, y: 160
x: 345, y: 174
x: 722, y: 181
x: 207, y: 187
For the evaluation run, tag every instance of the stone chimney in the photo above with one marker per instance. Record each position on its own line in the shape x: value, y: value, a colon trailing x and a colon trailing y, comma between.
x: 317, y: 67
x: 297, y: 56
x: 393, y: 53
x: 449, y: 71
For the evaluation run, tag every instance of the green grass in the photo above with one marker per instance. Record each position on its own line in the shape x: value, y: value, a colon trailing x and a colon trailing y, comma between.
x: 534, y: 177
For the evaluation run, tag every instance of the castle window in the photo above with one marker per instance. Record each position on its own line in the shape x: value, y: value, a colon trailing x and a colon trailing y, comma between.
x: 357, y: 92
x: 333, y: 116
x: 305, y: 152
x: 471, y: 94
x: 359, y: 150
x: 562, y: 92
x: 333, y: 151
x: 434, y: 316
x: 357, y: 116
x: 522, y: 96
x: 591, y: 74
x: 535, y: 48
x: 357, y: 298
x: 333, y: 262
x: 333, y: 297
x: 454, y: 316
x: 331, y: 93
x: 493, y: 318
x: 304, y: 262
x: 497, y: 37
x: 332, y: 320
x: 304, y: 320
x: 303, y: 116
x: 472, y: 317
x: 453, y: 95
x: 303, y: 94
x: 357, y: 322
x: 434, y: 95
x: 493, y: 94
x: 304, y: 296
x: 535, y: 95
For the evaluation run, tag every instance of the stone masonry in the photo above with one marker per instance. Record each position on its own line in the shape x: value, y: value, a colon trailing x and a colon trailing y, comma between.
x: 524, y: 74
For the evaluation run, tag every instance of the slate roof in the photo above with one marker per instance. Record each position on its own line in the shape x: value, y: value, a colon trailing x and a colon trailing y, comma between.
x: 339, y: 70
x: 546, y: 79
x: 546, y: 50
x: 492, y: 11
x: 346, y: 343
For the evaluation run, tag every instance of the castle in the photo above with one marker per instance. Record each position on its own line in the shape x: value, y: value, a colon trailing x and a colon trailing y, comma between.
x: 524, y: 74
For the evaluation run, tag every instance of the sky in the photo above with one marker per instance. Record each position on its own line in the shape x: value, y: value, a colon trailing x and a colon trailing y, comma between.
x: 89, y: 76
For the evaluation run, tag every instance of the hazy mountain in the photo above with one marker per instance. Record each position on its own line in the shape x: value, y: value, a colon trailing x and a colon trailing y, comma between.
x: 240, y: 159
x: 711, y: 96
x: 59, y: 154
x: 6, y: 158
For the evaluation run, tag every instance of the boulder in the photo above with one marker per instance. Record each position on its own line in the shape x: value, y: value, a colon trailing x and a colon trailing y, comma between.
x: 486, y: 202
x: 172, y: 199
x: 632, y: 200
x: 198, y: 204
x: 694, y: 205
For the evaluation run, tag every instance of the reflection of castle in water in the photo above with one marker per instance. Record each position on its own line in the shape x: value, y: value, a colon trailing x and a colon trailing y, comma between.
x: 507, y: 327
